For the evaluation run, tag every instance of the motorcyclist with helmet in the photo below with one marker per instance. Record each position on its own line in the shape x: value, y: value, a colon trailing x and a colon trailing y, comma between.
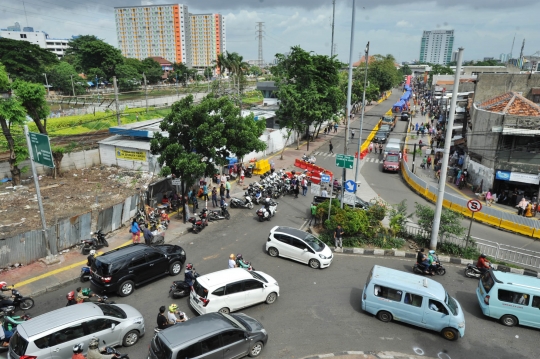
x: 189, y: 275
x: 171, y: 316
x: 83, y: 294
x: 71, y: 299
x: 95, y: 353
x: 240, y: 262
x: 77, y: 351
x: 5, y: 301
x: 483, y: 264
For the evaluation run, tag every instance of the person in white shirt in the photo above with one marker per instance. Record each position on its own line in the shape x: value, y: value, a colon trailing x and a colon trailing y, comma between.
x: 324, y: 193
x: 232, y: 261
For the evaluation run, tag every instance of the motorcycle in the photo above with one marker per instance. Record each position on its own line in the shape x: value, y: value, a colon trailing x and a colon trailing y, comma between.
x: 85, y: 271
x: 159, y: 238
x: 437, y: 268
x: 238, y: 203
x: 94, y: 243
x: 265, y: 213
x: 219, y: 215
x: 180, y: 288
x: 309, y: 159
x: 112, y: 351
x: 199, y: 224
x: 23, y: 303
x: 472, y: 271
x: 99, y: 299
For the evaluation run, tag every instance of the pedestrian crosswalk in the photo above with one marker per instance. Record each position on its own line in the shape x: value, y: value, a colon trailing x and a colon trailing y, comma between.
x: 366, y: 160
x: 324, y: 154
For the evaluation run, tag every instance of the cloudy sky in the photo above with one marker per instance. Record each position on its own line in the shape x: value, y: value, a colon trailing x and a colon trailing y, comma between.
x: 485, y: 28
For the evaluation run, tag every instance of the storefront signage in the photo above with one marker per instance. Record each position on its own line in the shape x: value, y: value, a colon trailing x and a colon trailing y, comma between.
x: 517, y: 177
x: 131, y: 155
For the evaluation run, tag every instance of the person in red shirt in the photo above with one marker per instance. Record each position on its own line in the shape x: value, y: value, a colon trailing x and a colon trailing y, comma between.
x: 483, y: 265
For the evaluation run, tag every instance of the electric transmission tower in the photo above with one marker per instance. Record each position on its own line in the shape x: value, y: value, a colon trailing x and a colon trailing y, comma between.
x: 260, y: 32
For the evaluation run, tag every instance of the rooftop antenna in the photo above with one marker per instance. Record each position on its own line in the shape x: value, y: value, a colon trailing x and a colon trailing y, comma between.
x: 24, y: 7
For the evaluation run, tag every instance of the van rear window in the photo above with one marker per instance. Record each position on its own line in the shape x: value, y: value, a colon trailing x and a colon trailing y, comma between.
x: 160, y: 350
x: 103, y: 269
x: 199, y: 289
x: 487, y: 281
x: 18, y: 344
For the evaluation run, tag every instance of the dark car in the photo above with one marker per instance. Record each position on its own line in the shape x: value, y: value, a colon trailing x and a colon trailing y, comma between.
x: 380, y: 137
x: 391, y: 162
x: 122, y: 269
x: 405, y: 115
x: 385, y: 128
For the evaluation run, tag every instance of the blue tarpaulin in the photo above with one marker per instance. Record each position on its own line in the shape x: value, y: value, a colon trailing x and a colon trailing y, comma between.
x: 407, y: 87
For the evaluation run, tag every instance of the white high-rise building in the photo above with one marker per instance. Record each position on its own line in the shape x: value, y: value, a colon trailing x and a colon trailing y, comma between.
x: 436, y: 46
x: 207, y: 39
x: 39, y: 38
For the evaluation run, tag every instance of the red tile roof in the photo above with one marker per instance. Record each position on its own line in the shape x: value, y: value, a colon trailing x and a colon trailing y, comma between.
x: 511, y: 103
x: 363, y: 61
x: 161, y: 60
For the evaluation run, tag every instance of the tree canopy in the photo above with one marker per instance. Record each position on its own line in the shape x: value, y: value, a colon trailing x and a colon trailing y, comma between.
x: 152, y: 70
x: 127, y: 76
x: 32, y: 98
x: 60, y: 76
x: 87, y: 52
x: 24, y: 60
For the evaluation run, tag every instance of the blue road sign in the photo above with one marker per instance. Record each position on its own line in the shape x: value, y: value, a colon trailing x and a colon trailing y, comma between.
x: 350, y: 186
x: 325, y: 178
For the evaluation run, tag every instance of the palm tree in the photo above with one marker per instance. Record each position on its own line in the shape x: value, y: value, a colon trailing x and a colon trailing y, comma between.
x: 221, y: 63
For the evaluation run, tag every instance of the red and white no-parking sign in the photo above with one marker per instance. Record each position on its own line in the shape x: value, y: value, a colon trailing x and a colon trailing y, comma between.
x: 474, y: 205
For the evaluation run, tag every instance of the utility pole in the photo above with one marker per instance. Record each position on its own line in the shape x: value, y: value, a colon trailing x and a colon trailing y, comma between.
x: 366, y: 54
x: 349, y: 91
x: 520, y: 61
x: 145, y: 92
x: 260, y: 32
x: 47, y: 83
x: 116, y: 101
x: 446, y: 155
x: 72, y: 86
x: 332, y: 50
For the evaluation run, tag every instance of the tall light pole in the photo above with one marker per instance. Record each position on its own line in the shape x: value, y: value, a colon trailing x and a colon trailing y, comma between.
x: 47, y: 83
x: 366, y: 54
x: 446, y: 155
x: 72, y: 86
x: 349, y: 91
x: 333, y: 23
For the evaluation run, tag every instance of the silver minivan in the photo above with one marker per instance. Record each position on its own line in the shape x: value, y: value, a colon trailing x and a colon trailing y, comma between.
x: 52, y: 335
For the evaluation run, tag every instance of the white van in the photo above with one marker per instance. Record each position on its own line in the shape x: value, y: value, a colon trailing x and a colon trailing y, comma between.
x: 393, y: 145
x: 231, y: 289
x: 391, y: 294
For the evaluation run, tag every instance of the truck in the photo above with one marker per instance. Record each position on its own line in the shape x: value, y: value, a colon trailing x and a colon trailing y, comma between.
x: 389, y: 120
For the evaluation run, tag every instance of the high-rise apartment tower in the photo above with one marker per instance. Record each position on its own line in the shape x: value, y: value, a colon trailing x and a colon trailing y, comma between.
x: 436, y: 46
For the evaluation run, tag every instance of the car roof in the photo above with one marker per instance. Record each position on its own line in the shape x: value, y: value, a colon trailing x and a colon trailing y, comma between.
x: 518, y: 280
x: 129, y: 250
x: 60, y: 317
x: 195, y: 328
x: 407, y: 281
x: 292, y: 231
x: 222, y: 277
x: 394, y: 140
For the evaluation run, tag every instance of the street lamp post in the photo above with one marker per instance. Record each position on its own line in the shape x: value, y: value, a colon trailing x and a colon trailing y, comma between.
x: 47, y: 83
x: 72, y: 86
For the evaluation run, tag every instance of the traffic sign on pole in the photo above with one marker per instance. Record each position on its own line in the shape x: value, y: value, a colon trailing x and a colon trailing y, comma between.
x: 325, y: 178
x: 344, y: 161
x: 41, y: 149
x: 474, y: 205
x: 350, y: 186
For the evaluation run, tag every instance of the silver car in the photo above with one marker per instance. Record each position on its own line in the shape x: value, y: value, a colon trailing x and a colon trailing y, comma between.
x: 52, y: 335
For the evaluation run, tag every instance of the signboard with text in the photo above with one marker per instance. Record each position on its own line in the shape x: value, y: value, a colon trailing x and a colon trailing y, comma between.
x: 344, y: 161
x: 130, y: 155
x: 41, y: 149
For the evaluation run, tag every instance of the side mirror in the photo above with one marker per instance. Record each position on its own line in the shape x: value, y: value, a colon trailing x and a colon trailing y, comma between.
x: 305, y: 249
x: 112, y: 328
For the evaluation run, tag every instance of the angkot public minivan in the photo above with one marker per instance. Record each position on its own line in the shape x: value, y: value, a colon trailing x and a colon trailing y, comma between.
x: 390, y: 294
x: 511, y: 298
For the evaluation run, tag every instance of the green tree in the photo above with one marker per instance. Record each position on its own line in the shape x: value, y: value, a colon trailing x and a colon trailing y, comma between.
x: 152, y: 70
x: 60, y: 76
x: 200, y: 137
x: 382, y: 72
x: 12, y: 114
x: 208, y: 73
x: 88, y: 52
x: 255, y: 70
x: 437, y: 69
x: 94, y: 74
x: 405, y: 70
x: 24, y: 60
x: 32, y: 98
x: 135, y: 63
x: 450, y: 222
x: 128, y: 78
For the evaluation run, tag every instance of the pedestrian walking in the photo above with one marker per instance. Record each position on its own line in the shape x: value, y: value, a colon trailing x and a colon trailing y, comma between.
x: 242, y: 175
x: 380, y: 148
x: 214, y: 197
x: 331, y: 146
x: 370, y: 147
x: 304, y: 186
x: 135, y: 231
x: 338, y: 237
x: 313, y: 218
x: 335, y: 127
x: 205, y: 192
x: 428, y: 162
x: 352, y: 134
x: 324, y: 131
x: 228, y: 188
x: 222, y: 193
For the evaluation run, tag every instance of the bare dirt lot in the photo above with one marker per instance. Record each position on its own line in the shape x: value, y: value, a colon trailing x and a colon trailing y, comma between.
x: 75, y: 192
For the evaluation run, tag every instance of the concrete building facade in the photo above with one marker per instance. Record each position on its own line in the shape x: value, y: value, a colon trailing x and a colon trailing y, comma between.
x: 436, y: 46
x: 39, y: 38
x: 207, y: 39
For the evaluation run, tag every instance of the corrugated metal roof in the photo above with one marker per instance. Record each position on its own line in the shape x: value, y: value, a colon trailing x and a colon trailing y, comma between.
x: 142, y: 129
x: 123, y: 141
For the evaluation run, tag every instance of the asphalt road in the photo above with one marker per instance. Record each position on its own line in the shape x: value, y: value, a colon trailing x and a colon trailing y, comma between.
x: 318, y: 310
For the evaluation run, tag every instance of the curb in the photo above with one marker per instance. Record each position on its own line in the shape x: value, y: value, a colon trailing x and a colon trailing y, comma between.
x: 367, y: 355
x: 443, y: 259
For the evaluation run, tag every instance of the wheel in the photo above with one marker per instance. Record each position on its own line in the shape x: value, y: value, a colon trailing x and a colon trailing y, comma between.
x: 227, y: 216
x: 384, y: 316
x: 85, y: 250
x: 450, y: 334
x: 250, y: 205
x: 509, y: 320
x: 261, y: 219
x: 179, y: 294
x: 26, y: 303
x: 271, y: 298
x: 273, y: 252
x: 256, y: 349
x: 315, y: 264
x: 233, y: 204
x: 175, y: 268
x: 196, y: 231
x: 469, y: 273
x: 105, y: 242
x: 130, y: 338
x: 441, y: 271
x: 224, y: 310
x: 126, y: 288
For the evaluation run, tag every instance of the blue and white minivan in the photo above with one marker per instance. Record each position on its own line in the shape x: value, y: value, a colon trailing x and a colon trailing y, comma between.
x: 511, y: 298
x: 391, y: 294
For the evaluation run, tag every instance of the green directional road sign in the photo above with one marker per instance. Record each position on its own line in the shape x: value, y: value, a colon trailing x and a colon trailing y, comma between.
x: 41, y: 149
x: 344, y: 161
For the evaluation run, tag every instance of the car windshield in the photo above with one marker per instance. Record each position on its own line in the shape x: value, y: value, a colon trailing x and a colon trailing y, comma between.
x: 452, y: 304
x: 381, y: 133
x: 385, y: 128
x: 235, y: 321
x: 257, y: 276
x: 161, y: 351
x: 113, y: 311
x: 392, y: 158
x: 314, y: 243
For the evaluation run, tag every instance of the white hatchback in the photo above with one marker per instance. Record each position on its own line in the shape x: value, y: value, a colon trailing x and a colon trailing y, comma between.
x: 232, y: 289
x: 301, y: 246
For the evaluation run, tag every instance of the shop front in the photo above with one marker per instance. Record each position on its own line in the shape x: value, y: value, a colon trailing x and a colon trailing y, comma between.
x: 513, y: 186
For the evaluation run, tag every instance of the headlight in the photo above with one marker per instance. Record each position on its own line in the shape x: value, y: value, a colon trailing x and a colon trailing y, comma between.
x: 277, y: 285
x: 461, y: 325
x: 322, y: 257
x: 138, y: 320
x: 183, y: 252
x: 263, y: 331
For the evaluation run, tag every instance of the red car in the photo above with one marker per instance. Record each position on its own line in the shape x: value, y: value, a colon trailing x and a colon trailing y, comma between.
x: 391, y: 162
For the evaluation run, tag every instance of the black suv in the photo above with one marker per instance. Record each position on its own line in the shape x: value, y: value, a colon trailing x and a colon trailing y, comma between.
x: 122, y: 269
